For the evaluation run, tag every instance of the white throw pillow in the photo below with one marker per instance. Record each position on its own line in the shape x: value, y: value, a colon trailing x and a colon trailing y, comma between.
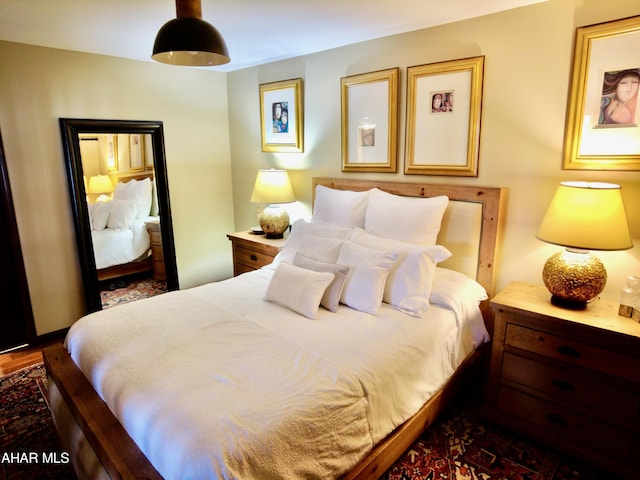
x: 298, y: 289
x: 344, y: 208
x: 140, y: 192
x: 123, y: 213
x: 100, y: 215
x: 306, y: 236
x: 332, y: 294
x: 408, y: 219
x: 409, y: 282
x: 368, y: 271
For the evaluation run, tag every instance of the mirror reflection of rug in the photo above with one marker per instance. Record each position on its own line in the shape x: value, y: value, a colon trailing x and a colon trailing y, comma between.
x: 463, y: 446
x: 124, y: 291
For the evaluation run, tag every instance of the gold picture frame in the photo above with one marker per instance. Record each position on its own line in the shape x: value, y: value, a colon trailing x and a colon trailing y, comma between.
x: 603, y: 126
x: 443, y: 136
x: 281, y: 116
x: 370, y: 121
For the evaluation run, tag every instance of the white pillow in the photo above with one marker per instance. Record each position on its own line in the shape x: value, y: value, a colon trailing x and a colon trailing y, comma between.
x: 332, y: 294
x: 122, y: 215
x: 409, y: 282
x: 306, y: 236
x: 100, y: 215
x: 140, y: 192
x: 121, y: 191
x: 344, y: 208
x: 450, y: 286
x: 408, y: 219
x: 298, y: 289
x: 368, y: 271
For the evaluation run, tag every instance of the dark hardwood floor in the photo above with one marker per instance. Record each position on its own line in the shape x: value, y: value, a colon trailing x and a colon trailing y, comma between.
x: 18, y: 359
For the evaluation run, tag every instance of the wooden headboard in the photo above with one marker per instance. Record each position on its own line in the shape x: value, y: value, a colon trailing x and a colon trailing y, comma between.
x: 470, y: 226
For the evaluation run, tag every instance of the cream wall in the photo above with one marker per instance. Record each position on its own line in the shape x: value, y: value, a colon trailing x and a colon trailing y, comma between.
x: 40, y: 85
x: 528, y: 54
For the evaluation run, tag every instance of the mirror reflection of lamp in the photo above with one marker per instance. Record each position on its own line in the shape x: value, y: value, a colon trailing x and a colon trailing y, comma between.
x: 100, y: 185
x: 274, y: 188
x: 582, y: 216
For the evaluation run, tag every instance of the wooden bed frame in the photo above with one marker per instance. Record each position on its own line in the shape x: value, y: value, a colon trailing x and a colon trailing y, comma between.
x: 121, y: 458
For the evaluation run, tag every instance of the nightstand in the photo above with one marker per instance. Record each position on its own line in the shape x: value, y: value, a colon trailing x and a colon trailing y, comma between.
x: 251, y: 252
x: 157, y: 253
x: 568, y: 378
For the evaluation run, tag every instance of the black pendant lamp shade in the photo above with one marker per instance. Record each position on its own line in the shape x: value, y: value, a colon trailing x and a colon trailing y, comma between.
x: 189, y: 40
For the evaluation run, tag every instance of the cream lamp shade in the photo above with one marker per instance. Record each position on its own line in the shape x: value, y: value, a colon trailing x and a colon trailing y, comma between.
x: 273, y: 187
x: 582, y: 216
x: 100, y: 185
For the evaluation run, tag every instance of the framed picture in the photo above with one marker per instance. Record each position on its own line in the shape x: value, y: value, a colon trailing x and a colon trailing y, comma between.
x: 112, y: 157
x: 444, y: 103
x: 370, y: 121
x: 136, y: 150
x: 602, y: 131
x: 281, y: 119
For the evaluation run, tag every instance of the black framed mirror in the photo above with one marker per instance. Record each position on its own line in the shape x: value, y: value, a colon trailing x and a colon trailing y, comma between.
x: 149, y: 132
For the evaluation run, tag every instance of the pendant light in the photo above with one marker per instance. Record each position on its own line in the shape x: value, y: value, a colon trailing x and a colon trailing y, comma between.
x: 189, y: 40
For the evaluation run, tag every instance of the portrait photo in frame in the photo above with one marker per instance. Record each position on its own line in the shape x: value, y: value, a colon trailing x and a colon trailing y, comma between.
x: 603, y: 118
x: 444, y: 106
x: 370, y: 121
x: 281, y: 116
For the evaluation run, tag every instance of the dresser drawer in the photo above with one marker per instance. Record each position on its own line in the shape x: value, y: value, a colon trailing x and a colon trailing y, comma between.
x: 563, y: 423
x: 572, y: 389
x: 587, y: 356
x: 251, y: 258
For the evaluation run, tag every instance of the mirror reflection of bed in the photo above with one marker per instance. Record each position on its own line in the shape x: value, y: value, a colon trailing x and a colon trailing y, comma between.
x: 123, y: 211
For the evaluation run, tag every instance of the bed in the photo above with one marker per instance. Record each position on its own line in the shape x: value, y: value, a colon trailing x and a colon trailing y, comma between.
x: 272, y: 384
x: 121, y: 242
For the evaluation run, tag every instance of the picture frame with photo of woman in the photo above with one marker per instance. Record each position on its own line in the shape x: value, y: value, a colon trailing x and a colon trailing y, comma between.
x: 603, y: 119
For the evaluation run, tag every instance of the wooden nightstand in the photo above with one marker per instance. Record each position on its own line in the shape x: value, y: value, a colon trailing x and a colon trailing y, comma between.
x: 251, y: 252
x: 570, y: 379
x: 157, y: 253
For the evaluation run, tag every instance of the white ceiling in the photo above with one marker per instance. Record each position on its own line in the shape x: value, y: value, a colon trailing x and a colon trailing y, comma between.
x: 256, y: 31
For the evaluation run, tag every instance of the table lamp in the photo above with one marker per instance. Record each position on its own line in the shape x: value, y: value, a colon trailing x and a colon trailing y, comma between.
x: 582, y: 216
x: 274, y: 188
x: 100, y: 185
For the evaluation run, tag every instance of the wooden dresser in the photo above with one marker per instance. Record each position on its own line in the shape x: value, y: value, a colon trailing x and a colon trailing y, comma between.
x: 251, y: 252
x: 568, y: 378
x: 157, y: 253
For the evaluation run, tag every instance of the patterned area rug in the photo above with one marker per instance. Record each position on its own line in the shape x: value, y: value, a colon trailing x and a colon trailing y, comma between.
x: 463, y: 446
x: 29, y: 445
x: 123, y: 291
x: 459, y: 446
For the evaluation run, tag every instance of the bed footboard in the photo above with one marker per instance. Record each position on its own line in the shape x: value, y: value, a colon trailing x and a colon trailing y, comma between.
x: 119, y: 455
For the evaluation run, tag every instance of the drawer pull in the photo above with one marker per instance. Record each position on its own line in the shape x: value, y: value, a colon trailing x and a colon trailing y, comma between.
x: 569, y: 351
x: 254, y: 258
x: 557, y: 419
x: 562, y: 385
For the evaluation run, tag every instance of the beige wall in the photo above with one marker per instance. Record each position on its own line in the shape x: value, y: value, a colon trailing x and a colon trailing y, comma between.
x: 528, y: 55
x: 38, y: 86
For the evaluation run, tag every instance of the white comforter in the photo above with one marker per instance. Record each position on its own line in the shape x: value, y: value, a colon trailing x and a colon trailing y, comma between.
x: 117, y: 247
x: 213, y: 382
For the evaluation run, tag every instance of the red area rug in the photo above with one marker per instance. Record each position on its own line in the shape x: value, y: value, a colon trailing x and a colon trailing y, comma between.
x: 29, y: 447
x: 463, y: 446
x: 124, y: 291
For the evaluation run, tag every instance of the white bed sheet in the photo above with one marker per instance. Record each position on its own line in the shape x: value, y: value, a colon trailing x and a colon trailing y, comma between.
x: 220, y: 384
x: 116, y: 247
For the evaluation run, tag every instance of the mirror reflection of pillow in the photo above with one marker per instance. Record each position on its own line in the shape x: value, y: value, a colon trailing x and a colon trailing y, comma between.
x: 123, y: 213
x: 140, y: 192
x: 99, y: 215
